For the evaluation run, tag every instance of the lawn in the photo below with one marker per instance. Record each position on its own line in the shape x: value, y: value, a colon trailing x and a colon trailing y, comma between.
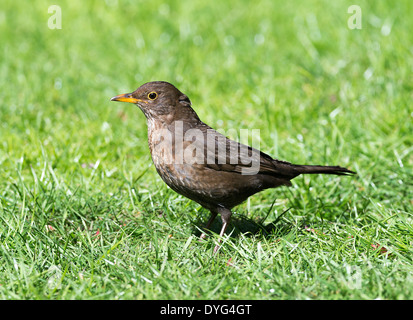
x: 83, y: 213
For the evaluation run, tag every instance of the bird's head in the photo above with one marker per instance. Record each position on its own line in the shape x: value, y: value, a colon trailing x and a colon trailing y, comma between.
x: 159, y: 100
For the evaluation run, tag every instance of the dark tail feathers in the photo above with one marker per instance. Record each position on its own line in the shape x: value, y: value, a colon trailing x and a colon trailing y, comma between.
x: 305, y: 169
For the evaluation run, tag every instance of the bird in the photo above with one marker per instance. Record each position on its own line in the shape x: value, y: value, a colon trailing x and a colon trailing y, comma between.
x: 202, y: 164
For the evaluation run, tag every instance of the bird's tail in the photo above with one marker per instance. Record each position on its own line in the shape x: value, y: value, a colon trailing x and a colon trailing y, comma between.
x: 306, y: 169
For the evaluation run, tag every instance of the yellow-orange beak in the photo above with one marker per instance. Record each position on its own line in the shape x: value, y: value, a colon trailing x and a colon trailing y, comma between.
x: 126, y: 97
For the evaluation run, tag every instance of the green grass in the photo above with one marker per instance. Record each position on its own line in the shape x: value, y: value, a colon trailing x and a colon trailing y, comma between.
x: 83, y: 213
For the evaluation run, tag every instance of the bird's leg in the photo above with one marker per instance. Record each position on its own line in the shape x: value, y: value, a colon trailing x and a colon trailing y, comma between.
x: 214, y: 214
x: 226, y: 217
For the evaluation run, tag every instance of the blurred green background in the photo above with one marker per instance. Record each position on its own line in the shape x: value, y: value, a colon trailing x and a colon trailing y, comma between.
x: 76, y: 182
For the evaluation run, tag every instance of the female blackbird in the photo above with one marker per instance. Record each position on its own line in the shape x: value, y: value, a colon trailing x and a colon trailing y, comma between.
x: 203, y: 165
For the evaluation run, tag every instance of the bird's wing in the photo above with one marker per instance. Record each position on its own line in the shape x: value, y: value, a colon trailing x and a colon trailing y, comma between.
x: 224, y: 154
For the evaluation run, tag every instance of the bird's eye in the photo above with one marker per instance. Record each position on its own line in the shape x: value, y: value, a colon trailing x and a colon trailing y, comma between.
x: 152, y: 95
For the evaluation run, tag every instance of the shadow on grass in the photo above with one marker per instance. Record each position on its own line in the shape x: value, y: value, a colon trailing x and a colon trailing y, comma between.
x: 248, y: 227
